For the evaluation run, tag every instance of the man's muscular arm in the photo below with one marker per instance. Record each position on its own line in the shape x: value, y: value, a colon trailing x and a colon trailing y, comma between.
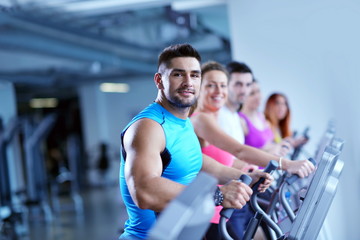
x: 143, y: 142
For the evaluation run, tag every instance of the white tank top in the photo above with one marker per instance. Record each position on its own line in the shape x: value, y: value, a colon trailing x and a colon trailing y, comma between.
x: 230, y: 122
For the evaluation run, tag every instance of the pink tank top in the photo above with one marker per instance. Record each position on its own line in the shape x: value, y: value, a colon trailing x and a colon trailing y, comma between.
x: 224, y: 158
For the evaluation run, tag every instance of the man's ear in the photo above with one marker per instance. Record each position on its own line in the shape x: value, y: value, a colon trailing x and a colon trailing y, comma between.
x: 158, y: 81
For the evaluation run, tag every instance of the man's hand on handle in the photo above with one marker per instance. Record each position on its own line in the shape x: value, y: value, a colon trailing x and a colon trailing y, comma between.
x: 236, y: 194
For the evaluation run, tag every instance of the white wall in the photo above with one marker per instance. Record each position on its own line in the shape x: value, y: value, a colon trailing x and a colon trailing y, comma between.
x: 309, y: 50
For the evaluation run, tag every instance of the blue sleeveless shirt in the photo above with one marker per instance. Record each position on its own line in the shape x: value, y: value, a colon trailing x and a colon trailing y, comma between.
x: 182, y: 161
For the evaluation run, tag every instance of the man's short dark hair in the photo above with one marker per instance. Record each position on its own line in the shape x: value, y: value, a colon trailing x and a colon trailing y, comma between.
x: 238, y: 67
x: 177, y: 50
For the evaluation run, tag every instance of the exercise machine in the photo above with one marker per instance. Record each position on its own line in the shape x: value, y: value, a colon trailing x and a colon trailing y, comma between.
x: 188, y: 215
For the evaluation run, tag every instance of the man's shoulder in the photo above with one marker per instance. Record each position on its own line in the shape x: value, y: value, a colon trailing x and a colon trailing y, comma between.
x: 152, y: 111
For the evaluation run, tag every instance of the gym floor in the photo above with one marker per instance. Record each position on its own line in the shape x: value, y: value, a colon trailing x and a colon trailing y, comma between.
x: 103, y: 218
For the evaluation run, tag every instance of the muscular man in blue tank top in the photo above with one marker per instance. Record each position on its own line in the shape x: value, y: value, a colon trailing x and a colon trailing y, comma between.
x: 181, y: 162
x: 160, y: 151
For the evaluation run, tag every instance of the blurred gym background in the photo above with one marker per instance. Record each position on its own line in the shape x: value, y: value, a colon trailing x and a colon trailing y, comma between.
x: 74, y: 72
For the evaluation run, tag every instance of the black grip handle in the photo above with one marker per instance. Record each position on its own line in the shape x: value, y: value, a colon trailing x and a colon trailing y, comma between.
x: 227, y: 212
x: 272, y: 165
x: 293, y: 178
x: 245, y: 179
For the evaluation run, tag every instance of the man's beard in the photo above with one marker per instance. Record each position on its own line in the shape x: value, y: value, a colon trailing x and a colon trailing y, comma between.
x: 239, y: 100
x: 179, y: 103
x: 236, y: 101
